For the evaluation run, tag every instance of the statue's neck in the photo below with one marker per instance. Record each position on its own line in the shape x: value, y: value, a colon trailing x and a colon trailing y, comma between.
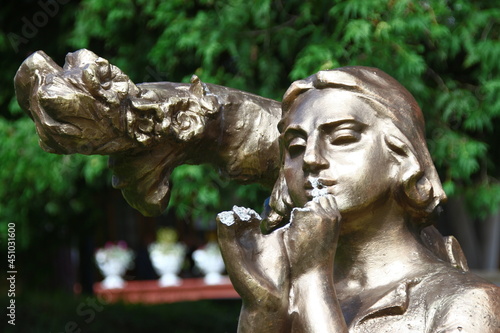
x: 377, y: 251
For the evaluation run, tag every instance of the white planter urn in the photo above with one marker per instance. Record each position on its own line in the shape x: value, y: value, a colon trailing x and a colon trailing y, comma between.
x: 167, y: 260
x: 209, y: 261
x: 113, y: 261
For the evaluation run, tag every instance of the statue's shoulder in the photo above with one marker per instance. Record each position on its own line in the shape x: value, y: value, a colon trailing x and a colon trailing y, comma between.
x: 457, y: 298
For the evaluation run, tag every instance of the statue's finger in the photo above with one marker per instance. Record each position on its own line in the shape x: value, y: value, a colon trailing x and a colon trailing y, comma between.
x: 328, y: 206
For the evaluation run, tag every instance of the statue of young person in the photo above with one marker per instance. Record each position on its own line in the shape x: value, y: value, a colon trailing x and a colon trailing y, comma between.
x: 356, y: 188
x: 347, y: 244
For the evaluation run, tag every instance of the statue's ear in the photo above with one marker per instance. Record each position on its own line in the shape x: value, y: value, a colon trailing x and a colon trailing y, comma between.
x: 280, y: 204
x: 414, y: 190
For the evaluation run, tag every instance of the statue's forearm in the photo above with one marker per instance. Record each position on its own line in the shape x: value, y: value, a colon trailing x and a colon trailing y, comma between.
x: 89, y: 106
x: 311, y: 242
x: 313, y: 303
x: 196, y: 123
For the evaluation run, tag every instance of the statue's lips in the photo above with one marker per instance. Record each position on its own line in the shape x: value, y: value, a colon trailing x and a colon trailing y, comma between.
x: 312, y: 183
x: 315, y: 193
x: 316, y: 187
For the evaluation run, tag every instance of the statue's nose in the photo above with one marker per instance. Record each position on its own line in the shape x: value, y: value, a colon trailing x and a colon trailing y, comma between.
x: 314, y: 159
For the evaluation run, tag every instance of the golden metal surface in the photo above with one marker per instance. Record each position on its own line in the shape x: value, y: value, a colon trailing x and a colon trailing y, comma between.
x: 89, y: 106
x: 347, y: 244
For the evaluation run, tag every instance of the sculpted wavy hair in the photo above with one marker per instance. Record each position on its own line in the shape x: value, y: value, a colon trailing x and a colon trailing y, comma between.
x: 419, y: 189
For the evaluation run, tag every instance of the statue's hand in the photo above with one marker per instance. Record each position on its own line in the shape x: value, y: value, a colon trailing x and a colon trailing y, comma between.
x: 258, y: 269
x: 312, y: 236
x: 311, y: 243
x: 256, y: 263
x: 76, y: 108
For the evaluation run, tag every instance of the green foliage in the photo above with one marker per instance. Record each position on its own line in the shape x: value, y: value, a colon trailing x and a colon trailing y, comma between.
x: 199, y: 194
x: 39, y: 187
x: 189, y: 198
x: 483, y: 198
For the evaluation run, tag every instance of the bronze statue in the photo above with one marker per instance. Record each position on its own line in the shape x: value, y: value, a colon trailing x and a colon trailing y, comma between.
x: 346, y: 243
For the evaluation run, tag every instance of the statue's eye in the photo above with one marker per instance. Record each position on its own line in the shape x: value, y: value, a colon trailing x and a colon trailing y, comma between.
x: 344, y: 136
x: 345, y: 133
x: 296, y: 146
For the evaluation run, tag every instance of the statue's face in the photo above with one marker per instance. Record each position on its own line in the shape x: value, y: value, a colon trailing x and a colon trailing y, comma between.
x: 334, y: 144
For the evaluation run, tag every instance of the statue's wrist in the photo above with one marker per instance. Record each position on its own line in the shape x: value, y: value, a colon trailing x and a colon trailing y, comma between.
x: 317, y: 283
x: 320, y: 271
x: 317, y: 262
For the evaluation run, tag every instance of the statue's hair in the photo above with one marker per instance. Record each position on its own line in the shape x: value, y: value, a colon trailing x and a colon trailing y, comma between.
x: 419, y: 190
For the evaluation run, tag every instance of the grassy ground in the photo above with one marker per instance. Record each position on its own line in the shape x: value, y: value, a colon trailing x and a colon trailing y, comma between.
x: 62, y: 313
